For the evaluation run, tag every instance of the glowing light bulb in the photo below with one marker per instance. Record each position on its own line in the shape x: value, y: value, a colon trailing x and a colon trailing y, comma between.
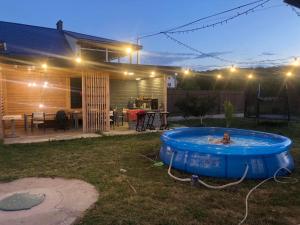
x: 296, y: 62
x: 29, y: 84
x: 33, y: 84
x: 130, y: 73
x: 44, y: 66
x: 137, y: 78
x: 128, y: 50
x: 186, y: 72
x: 250, y: 76
x: 45, y: 85
x: 232, y: 69
x: 152, y: 74
x: 41, y: 106
x: 78, y: 59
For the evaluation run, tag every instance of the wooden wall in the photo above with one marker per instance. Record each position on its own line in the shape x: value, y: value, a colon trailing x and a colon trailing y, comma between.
x: 121, y: 91
x: 153, y: 88
x: 20, y: 98
x: 95, y: 104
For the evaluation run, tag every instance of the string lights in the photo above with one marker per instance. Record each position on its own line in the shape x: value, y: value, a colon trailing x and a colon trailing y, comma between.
x: 175, y: 29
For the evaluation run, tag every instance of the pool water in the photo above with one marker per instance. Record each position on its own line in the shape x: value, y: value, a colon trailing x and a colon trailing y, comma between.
x: 235, y: 140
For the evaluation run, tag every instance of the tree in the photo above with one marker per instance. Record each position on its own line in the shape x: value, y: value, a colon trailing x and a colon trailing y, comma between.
x: 229, y: 111
x: 195, y: 106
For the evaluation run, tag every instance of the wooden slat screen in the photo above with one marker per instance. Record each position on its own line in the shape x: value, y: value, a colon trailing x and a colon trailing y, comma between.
x: 1, y: 103
x: 95, y: 101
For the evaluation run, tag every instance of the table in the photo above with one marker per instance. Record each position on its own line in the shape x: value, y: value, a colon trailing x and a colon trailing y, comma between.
x: 75, y: 117
x: 164, y: 120
x: 12, y: 119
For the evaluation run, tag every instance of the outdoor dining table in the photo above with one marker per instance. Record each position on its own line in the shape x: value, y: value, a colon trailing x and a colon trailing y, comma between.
x: 12, y: 119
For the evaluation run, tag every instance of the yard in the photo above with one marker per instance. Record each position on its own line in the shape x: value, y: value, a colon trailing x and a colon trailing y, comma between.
x: 158, y: 199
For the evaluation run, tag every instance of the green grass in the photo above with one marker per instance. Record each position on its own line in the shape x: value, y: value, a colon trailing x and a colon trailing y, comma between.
x: 159, y: 199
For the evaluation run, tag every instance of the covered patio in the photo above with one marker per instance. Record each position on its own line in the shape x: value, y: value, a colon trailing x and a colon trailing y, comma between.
x: 94, y: 99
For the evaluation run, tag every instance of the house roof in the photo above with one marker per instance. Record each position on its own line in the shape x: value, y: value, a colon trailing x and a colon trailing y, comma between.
x: 28, y: 40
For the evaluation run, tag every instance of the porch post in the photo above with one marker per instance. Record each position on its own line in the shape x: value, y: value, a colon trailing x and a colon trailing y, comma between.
x: 1, y: 105
x: 83, y: 96
x: 165, y: 93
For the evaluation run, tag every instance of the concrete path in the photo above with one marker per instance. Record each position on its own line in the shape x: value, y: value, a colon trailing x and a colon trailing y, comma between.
x: 65, y: 201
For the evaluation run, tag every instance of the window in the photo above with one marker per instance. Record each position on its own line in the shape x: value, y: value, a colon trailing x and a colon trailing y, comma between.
x: 2, y: 46
x: 76, y: 93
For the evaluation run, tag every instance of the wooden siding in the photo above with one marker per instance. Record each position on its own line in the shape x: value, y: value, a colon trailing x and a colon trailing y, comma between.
x: 153, y: 88
x: 121, y: 91
x: 20, y: 98
x: 95, y: 104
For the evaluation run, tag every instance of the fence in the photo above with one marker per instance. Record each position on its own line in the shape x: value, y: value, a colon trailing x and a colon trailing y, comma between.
x: 237, y: 98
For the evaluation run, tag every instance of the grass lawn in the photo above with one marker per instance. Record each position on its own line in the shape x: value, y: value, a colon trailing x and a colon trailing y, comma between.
x: 159, y: 199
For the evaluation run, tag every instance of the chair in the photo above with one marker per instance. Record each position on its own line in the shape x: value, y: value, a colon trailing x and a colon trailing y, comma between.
x: 61, y: 119
x: 38, y: 118
x: 119, y: 115
x: 112, y: 118
x: 140, y: 121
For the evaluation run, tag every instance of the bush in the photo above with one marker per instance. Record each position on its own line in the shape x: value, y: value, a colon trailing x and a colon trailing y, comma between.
x: 229, y: 111
x: 195, y: 106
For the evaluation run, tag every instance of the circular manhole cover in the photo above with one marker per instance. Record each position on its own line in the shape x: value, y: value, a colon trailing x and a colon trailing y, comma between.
x: 21, y: 201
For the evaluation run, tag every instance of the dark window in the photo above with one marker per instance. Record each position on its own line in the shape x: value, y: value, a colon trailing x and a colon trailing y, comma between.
x: 2, y: 46
x: 76, y: 93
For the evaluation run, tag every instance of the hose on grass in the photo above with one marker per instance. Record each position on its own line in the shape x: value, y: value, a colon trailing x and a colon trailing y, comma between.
x: 274, y: 177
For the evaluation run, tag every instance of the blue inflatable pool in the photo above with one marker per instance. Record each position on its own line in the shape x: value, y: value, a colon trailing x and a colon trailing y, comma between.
x: 264, y: 153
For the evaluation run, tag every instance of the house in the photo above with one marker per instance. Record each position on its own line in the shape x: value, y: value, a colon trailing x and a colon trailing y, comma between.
x: 50, y: 69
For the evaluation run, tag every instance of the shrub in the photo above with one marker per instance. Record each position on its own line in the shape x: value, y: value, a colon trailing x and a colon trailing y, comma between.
x: 229, y: 111
x: 195, y: 106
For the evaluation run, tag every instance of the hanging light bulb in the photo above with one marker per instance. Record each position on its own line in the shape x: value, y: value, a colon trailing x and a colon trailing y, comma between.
x: 296, y: 62
x: 44, y: 66
x: 45, y: 85
x: 41, y: 106
x: 232, y: 69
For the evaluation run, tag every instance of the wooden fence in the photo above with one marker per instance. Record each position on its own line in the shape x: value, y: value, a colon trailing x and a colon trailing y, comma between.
x: 237, y: 98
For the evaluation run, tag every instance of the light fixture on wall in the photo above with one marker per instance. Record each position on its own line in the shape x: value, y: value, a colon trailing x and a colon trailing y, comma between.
x: 219, y: 76
x: 128, y: 50
x: 152, y: 74
x: 45, y: 66
x: 41, y: 106
x: 78, y: 59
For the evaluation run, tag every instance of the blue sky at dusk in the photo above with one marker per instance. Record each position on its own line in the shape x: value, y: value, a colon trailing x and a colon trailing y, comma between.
x: 271, y: 32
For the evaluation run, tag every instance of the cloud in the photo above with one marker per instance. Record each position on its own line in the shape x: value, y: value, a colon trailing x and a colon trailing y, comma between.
x: 267, y: 54
x: 169, y: 58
